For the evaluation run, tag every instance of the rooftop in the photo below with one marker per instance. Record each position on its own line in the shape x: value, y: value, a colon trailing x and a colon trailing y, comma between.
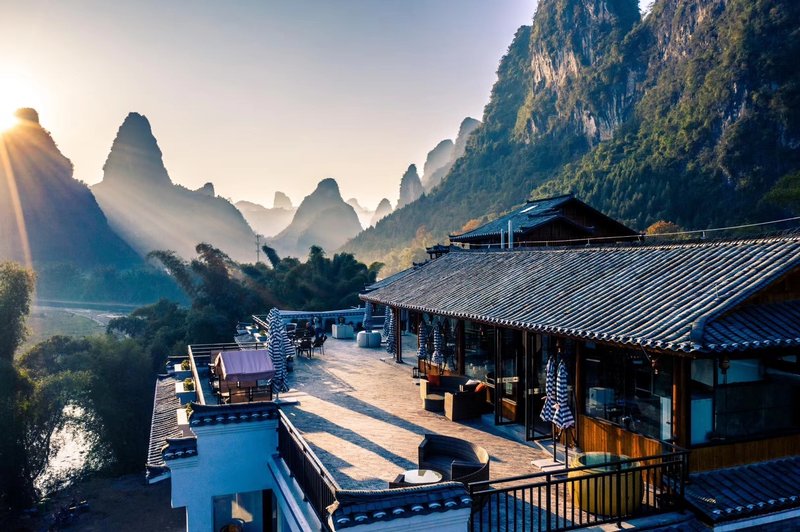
x: 361, y: 414
x: 677, y: 297
x: 535, y: 213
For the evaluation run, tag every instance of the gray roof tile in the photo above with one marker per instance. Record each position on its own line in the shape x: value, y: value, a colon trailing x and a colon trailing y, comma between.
x: 164, y: 424
x: 358, y: 507
x: 744, y: 491
x: 524, y: 218
x: 671, y: 297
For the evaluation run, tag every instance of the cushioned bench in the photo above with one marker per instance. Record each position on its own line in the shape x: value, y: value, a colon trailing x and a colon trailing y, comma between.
x: 454, y: 458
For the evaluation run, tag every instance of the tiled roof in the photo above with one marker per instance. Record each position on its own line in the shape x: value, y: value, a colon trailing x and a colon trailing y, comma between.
x: 745, y: 491
x: 524, y: 218
x: 389, y: 280
x: 659, y: 296
x: 360, y: 507
x: 205, y: 415
x: 164, y: 424
x: 180, y: 448
x: 768, y: 325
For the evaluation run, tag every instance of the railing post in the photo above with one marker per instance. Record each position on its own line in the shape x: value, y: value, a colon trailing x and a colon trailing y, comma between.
x: 548, y: 502
x: 619, y: 495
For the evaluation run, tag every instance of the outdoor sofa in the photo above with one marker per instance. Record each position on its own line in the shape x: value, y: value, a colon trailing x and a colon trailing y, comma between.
x: 461, y: 400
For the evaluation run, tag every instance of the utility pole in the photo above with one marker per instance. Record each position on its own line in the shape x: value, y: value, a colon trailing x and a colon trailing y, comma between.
x: 258, y: 248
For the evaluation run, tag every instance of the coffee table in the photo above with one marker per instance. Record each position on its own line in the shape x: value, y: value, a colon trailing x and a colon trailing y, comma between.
x: 434, y: 402
x: 422, y: 476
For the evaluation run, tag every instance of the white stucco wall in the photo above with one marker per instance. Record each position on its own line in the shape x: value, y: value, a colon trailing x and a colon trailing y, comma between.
x: 233, y: 458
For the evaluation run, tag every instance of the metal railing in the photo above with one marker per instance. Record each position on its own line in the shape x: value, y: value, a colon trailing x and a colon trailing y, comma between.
x: 583, y: 496
x: 319, y: 487
x: 200, y: 350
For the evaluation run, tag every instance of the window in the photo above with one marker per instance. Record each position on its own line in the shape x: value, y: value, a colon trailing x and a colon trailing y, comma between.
x: 479, y: 349
x: 244, y: 510
x: 629, y: 388
x: 744, y: 398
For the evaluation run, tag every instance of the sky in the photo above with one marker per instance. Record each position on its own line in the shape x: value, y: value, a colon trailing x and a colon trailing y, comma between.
x: 258, y: 96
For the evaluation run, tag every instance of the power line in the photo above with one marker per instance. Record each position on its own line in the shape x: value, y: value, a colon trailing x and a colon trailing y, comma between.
x: 641, y: 236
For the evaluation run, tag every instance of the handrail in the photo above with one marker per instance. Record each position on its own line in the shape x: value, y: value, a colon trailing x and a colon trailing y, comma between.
x: 207, y: 349
x: 580, y: 468
x: 598, y: 494
x: 318, y: 485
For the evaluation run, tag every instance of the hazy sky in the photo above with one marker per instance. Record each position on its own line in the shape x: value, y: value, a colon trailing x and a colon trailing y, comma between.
x: 259, y: 96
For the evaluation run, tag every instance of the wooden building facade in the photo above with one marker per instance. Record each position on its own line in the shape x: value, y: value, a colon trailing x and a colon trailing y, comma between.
x: 554, y: 220
x: 696, y: 344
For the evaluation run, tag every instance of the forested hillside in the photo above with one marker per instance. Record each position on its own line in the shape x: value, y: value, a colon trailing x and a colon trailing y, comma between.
x: 689, y: 115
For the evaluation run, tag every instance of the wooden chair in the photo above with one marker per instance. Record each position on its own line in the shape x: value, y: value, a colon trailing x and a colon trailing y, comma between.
x: 305, y: 345
x: 319, y: 344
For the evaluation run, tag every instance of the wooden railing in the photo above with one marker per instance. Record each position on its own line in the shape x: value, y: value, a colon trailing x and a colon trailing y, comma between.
x: 582, y: 496
x: 319, y: 487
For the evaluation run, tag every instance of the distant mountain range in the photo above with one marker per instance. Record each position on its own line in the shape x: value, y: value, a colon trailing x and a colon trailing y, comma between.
x: 442, y: 158
x: 47, y: 215
x: 688, y: 115
x: 383, y: 210
x: 410, y: 187
x: 323, y: 219
x: 151, y: 213
x: 268, y: 222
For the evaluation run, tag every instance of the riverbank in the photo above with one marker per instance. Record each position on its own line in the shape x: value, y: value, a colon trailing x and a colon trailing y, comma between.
x: 121, y: 503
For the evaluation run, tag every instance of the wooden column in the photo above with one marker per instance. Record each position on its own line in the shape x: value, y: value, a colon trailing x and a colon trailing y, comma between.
x: 461, y: 365
x: 681, y: 401
x: 579, y: 391
x: 398, y: 336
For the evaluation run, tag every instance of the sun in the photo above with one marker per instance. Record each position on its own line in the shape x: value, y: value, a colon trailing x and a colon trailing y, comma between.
x: 16, y: 90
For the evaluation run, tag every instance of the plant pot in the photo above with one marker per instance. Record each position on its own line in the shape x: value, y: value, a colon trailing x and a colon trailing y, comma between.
x: 612, y: 494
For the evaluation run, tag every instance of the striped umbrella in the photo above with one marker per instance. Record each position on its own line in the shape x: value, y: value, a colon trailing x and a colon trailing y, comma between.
x: 368, y: 317
x: 391, y: 336
x: 562, y: 418
x: 277, y: 351
x: 438, y: 345
x: 549, y: 391
x: 422, y: 352
x: 387, y: 318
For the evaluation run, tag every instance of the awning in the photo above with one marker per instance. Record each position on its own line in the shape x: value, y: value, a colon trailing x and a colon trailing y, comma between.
x: 248, y: 365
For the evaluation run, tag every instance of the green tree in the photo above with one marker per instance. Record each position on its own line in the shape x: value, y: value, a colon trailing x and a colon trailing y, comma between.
x: 16, y: 286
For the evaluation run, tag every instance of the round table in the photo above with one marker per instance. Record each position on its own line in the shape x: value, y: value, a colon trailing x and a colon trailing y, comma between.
x: 422, y: 476
x: 434, y: 402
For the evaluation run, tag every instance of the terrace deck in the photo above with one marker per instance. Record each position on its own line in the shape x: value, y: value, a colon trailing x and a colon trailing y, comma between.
x: 361, y: 413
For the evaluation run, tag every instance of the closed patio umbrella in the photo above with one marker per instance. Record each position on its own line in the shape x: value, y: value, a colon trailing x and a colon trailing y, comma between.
x: 368, y: 317
x: 422, y: 351
x: 562, y: 417
x: 549, y: 391
x: 438, y: 345
x: 387, y: 318
x: 276, y: 350
x: 391, y: 335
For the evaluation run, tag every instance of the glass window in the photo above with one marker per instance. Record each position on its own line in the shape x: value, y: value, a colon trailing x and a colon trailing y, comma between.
x: 629, y: 388
x: 242, y: 510
x: 479, y: 350
x: 511, y: 359
x: 745, y: 398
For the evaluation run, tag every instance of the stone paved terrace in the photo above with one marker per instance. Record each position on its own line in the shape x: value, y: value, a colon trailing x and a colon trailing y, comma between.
x: 361, y: 413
